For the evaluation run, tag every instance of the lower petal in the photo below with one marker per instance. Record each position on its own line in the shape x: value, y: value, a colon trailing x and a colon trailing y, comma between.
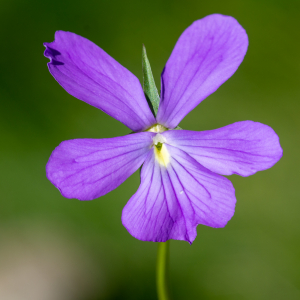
x: 89, y: 168
x: 171, y: 201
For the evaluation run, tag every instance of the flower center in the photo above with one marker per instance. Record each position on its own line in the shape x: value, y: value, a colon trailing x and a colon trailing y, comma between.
x: 160, y: 150
x: 157, y: 128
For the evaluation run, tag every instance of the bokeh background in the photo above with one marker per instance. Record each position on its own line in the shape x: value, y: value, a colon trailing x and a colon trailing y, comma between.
x: 52, y: 248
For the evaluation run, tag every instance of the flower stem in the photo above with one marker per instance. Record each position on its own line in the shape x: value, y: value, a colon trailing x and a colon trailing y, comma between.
x: 161, y: 271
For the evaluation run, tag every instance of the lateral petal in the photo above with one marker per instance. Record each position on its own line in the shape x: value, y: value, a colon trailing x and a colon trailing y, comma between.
x: 171, y: 201
x: 241, y: 148
x: 88, y: 73
x: 89, y: 168
x: 205, y: 56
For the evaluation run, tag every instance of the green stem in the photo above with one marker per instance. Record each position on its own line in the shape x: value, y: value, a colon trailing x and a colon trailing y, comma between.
x: 162, y: 272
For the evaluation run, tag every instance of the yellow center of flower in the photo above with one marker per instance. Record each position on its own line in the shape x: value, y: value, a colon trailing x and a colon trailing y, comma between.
x: 160, y: 150
x: 157, y: 128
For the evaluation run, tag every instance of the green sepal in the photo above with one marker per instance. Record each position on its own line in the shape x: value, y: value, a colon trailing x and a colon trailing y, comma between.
x: 149, y: 86
x: 178, y: 128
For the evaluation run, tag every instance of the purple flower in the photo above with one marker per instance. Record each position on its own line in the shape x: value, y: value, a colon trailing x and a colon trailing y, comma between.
x: 181, y: 183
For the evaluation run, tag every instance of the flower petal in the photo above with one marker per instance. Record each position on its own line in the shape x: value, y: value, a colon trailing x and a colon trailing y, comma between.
x: 88, y: 73
x: 241, y: 148
x: 89, y: 168
x: 206, y: 55
x: 171, y: 201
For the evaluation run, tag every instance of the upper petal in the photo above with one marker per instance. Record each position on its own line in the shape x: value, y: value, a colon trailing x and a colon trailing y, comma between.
x: 206, y: 55
x: 241, y: 148
x: 89, y: 168
x: 171, y: 201
x: 88, y: 73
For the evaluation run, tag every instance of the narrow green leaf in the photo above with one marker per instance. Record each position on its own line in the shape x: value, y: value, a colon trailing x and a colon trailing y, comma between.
x: 149, y: 86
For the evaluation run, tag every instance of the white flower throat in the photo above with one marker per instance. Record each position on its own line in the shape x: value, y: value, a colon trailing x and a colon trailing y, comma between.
x: 160, y: 149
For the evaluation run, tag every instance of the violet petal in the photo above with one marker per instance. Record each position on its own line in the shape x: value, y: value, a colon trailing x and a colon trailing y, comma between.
x: 205, y: 56
x: 241, y: 148
x: 171, y: 201
x: 88, y: 73
x: 89, y: 168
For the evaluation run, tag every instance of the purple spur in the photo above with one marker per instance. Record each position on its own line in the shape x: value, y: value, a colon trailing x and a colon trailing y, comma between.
x: 181, y: 183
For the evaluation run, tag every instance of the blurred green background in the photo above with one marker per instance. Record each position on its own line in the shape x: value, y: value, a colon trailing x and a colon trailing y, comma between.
x: 53, y: 248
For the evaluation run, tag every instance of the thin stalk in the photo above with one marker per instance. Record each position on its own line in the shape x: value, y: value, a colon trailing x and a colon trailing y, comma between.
x: 162, y: 271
